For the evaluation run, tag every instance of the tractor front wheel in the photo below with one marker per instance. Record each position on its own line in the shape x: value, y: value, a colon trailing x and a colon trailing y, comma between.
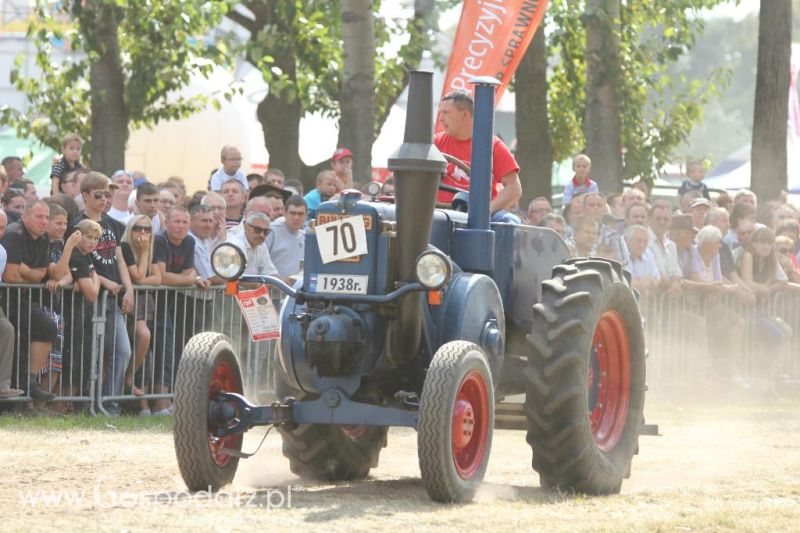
x: 456, y: 419
x: 208, y: 366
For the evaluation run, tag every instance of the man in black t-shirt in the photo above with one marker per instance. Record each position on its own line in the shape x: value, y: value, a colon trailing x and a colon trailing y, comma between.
x: 110, y: 265
x: 78, y: 315
x: 27, y: 245
x: 174, y: 251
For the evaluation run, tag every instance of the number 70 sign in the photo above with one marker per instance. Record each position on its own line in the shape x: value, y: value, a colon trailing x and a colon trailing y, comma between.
x: 341, y: 239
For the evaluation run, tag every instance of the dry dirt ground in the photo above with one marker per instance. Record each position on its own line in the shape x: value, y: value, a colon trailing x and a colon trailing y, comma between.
x: 713, y: 469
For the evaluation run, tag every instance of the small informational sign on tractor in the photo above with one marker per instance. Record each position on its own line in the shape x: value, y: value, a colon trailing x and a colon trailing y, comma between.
x: 259, y: 313
x: 342, y: 239
x: 338, y: 284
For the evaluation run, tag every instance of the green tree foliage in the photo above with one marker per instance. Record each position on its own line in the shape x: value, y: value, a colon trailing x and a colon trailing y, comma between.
x: 297, y: 46
x: 161, y: 46
x: 658, y: 110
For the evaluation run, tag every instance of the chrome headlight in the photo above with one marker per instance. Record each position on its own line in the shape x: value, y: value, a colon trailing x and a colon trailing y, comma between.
x: 228, y: 261
x: 374, y: 188
x: 433, y: 269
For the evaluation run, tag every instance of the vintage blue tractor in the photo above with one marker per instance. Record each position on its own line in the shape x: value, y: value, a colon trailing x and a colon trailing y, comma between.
x: 409, y: 315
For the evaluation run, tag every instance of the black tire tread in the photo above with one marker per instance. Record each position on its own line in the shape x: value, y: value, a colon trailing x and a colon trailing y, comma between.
x: 564, y: 452
x: 198, y: 470
x: 324, y: 452
x: 434, y: 448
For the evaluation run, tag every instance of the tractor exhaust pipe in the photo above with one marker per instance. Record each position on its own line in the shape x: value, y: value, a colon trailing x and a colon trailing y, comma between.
x: 474, y: 249
x: 417, y: 166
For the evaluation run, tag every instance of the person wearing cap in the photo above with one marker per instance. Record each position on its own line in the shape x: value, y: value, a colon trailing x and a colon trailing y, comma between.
x: 455, y: 115
x: 698, y: 209
x: 231, y: 159
x: 325, y: 189
x: 342, y: 166
x: 682, y: 232
x: 276, y: 197
x: 256, y: 204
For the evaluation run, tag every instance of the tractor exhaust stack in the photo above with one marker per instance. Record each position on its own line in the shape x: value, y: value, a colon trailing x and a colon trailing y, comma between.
x: 417, y: 166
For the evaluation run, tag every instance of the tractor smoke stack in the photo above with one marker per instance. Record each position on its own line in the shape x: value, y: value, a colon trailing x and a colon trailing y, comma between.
x: 417, y: 166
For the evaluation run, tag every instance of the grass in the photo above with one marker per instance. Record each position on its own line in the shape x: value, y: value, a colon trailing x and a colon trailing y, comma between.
x: 51, y: 422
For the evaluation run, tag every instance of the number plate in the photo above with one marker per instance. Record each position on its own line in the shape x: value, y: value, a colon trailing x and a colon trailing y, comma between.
x: 342, y: 239
x: 338, y: 284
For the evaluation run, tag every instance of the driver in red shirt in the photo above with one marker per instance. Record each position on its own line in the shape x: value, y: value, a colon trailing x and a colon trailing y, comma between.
x: 455, y: 114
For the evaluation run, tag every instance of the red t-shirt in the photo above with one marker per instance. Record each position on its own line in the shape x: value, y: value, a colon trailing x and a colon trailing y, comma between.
x: 503, y: 163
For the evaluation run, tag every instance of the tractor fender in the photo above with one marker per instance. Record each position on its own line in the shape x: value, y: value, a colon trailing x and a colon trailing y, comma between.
x: 472, y: 310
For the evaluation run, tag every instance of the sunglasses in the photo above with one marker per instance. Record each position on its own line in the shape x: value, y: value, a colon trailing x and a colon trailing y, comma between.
x: 142, y: 229
x: 101, y: 194
x: 784, y: 251
x: 259, y: 231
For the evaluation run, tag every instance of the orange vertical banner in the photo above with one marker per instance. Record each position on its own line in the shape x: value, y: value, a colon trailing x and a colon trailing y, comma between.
x: 491, y: 38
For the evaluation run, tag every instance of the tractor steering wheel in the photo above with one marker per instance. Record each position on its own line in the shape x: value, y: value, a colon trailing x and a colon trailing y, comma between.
x: 460, y: 201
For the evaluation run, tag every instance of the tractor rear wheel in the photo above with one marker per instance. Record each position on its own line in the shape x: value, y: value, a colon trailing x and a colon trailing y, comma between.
x: 585, y: 379
x: 327, y: 452
x: 208, y: 366
x: 456, y: 419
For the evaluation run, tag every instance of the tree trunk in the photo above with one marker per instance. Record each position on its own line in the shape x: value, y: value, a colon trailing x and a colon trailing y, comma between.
x: 770, y: 114
x: 357, y: 122
x: 107, y: 85
x: 602, y: 124
x: 280, y: 122
x: 279, y: 112
x: 534, y: 151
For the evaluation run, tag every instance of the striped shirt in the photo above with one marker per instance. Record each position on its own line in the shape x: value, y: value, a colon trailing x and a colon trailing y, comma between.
x: 61, y: 169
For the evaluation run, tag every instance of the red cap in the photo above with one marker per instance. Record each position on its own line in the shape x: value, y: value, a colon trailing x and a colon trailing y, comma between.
x: 340, y: 153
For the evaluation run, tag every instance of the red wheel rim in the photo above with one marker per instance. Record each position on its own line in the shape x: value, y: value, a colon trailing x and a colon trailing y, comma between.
x: 470, y: 428
x: 609, y: 381
x: 223, y: 379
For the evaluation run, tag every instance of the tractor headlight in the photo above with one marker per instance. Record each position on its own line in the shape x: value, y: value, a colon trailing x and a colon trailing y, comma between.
x: 228, y: 261
x: 374, y: 188
x: 433, y: 269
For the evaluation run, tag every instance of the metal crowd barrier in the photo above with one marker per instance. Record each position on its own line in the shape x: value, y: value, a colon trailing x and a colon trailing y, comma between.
x: 69, y: 371
x: 692, y: 340
x: 113, y: 353
x: 696, y: 339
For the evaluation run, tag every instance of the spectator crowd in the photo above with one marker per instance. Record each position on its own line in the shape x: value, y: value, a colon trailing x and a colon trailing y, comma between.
x: 96, y: 233
x: 726, y: 256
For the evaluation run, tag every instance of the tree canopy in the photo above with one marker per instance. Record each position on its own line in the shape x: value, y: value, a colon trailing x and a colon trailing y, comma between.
x: 658, y: 107
x: 157, y: 46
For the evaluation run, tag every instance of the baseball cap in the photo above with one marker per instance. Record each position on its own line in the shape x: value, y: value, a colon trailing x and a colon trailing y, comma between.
x: 700, y: 201
x: 340, y: 153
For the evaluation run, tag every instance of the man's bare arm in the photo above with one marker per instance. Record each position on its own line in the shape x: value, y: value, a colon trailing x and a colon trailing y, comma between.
x: 511, y: 193
x: 21, y: 273
x: 184, y: 279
